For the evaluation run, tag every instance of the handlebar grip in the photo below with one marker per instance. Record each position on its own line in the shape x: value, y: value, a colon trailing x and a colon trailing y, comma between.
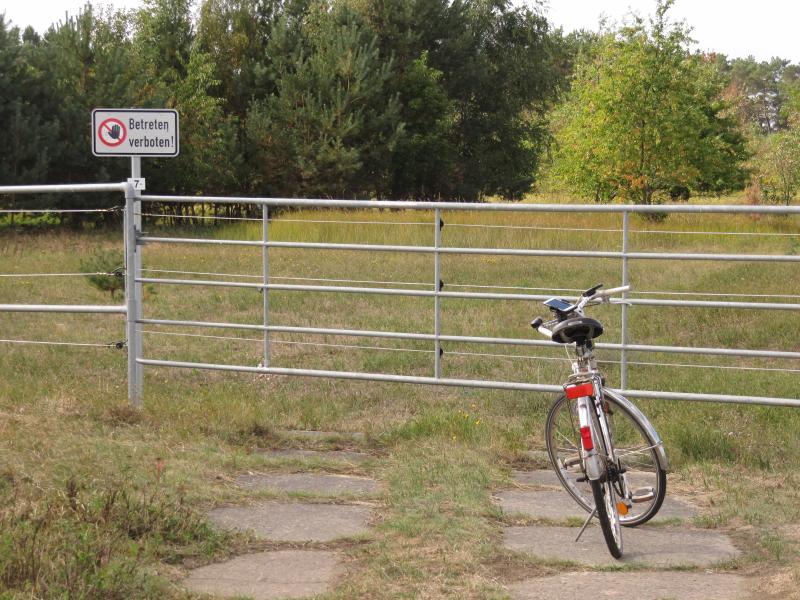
x: 537, y: 324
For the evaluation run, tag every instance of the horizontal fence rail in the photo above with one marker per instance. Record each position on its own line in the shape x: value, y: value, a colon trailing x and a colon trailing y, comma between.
x: 471, y: 383
x: 482, y: 251
x: 394, y: 205
x: 64, y: 308
x: 471, y: 339
x: 75, y: 188
x: 462, y: 295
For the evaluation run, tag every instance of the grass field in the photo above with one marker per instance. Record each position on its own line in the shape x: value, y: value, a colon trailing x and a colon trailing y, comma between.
x: 98, y: 500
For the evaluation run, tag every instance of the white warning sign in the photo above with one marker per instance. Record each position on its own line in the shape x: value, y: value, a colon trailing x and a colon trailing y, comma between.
x: 134, y: 132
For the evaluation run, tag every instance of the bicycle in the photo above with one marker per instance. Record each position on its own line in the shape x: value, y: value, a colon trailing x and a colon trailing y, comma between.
x: 613, y: 463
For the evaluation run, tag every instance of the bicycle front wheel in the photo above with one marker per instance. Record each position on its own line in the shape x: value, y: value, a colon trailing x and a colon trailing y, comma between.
x: 608, y: 515
x: 643, y: 472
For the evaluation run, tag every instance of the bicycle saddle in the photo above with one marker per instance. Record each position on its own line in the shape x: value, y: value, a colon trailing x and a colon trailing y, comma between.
x: 577, y: 330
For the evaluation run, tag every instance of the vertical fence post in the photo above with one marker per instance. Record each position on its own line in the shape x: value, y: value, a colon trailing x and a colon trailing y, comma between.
x: 136, y: 173
x: 132, y: 300
x: 623, y: 367
x: 265, y: 267
x: 437, y: 306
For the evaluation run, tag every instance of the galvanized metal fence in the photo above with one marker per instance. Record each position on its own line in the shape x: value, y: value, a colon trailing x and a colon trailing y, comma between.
x: 135, y: 240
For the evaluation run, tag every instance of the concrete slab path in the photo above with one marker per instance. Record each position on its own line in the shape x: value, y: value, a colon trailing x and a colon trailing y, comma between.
x: 269, y: 575
x: 295, y: 522
x: 628, y: 586
x: 537, y: 477
x: 648, y: 546
x: 290, y: 573
x: 312, y: 434
x: 329, y: 455
x: 310, y: 483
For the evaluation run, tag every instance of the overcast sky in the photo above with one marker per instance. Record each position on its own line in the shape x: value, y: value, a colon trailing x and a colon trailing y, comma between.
x: 763, y: 28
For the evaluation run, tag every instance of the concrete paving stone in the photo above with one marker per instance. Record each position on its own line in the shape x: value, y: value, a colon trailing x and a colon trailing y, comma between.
x: 538, y: 477
x: 649, y: 546
x: 309, y: 483
x: 294, y: 522
x: 337, y: 455
x: 310, y: 434
x: 627, y: 585
x: 554, y: 504
x: 269, y: 575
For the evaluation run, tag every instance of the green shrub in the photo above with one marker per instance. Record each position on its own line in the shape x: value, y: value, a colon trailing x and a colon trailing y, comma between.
x: 106, y: 271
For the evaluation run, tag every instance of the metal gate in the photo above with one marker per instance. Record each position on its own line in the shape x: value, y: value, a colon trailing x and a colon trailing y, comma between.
x: 135, y: 240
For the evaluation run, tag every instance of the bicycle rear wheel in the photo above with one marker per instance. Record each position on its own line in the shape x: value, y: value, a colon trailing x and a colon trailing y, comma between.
x: 635, y: 451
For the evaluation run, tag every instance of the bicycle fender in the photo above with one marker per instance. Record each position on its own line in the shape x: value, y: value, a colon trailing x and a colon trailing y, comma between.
x: 655, y: 439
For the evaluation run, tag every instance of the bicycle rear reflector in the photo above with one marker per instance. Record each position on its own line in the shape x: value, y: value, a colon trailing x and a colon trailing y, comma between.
x: 578, y: 391
x: 586, y: 436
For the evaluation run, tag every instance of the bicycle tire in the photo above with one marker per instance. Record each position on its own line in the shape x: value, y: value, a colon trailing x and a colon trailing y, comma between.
x: 634, y: 448
x: 608, y: 515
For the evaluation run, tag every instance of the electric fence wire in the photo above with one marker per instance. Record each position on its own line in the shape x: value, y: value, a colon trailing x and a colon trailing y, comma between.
x: 214, y: 217
x: 691, y: 366
x: 281, y: 220
x: 333, y: 221
x: 261, y: 277
x: 617, y: 230
x: 400, y: 283
x: 286, y: 342
x: 514, y: 356
x: 467, y: 285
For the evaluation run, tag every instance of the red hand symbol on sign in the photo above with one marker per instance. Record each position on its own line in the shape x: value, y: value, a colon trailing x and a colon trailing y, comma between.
x: 112, y: 132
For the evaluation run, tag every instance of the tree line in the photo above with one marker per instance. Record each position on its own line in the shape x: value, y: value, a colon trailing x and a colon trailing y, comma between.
x: 427, y: 99
x: 340, y: 98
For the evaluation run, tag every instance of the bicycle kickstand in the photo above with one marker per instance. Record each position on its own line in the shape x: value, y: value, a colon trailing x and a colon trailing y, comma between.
x: 586, y: 523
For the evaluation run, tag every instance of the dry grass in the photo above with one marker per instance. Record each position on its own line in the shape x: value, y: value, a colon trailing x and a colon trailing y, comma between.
x: 63, y: 415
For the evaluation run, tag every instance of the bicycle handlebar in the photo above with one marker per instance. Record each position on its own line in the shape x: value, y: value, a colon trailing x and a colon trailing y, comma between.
x: 537, y: 324
x: 612, y: 291
x: 597, y: 297
x: 601, y: 296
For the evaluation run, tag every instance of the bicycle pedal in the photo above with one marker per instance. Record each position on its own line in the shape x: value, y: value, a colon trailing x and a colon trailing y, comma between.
x: 582, y: 479
x: 643, y: 495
